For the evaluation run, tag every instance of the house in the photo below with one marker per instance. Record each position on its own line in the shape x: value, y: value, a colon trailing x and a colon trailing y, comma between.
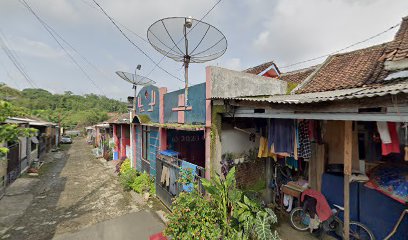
x: 345, y: 107
x: 167, y: 135
x: 26, y: 151
x: 18, y: 156
x: 120, y: 126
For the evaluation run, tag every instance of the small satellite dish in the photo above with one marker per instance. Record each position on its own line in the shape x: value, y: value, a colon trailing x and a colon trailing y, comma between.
x: 187, y: 40
x: 135, y: 79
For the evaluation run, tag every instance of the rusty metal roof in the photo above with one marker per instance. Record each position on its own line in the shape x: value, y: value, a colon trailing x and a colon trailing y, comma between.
x: 343, y: 94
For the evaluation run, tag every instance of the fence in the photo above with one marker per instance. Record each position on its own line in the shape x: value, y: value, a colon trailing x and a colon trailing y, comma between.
x: 167, y: 193
x: 13, y: 162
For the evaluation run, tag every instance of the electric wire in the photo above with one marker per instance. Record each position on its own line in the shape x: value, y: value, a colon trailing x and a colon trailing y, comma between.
x: 15, y: 61
x: 24, y: 3
x: 118, y: 22
x: 133, y: 43
x: 77, y: 52
x: 13, y: 80
x: 340, y: 50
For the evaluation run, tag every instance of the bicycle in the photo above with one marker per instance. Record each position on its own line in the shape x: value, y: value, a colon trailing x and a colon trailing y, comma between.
x: 299, y: 220
x: 281, y: 175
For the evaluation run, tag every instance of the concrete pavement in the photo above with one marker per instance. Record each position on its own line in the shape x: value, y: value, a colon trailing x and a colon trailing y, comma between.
x: 138, y: 225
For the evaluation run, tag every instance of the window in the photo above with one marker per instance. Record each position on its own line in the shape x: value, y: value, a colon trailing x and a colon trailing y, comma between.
x: 145, y: 141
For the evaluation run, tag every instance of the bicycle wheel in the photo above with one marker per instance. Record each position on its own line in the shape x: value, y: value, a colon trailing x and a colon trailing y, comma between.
x: 360, y: 231
x: 299, y: 219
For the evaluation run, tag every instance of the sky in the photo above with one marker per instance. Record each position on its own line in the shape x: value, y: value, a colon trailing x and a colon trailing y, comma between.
x: 257, y: 31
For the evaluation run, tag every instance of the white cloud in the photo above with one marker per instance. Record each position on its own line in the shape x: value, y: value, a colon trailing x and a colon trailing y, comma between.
x: 233, y: 64
x: 297, y: 30
x: 34, y: 48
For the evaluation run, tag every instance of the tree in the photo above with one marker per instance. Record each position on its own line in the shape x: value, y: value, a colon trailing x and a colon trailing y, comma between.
x: 10, y: 132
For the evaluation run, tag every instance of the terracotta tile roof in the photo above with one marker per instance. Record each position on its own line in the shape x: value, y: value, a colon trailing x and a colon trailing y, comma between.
x: 398, y: 48
x: 347, y: 70
x: 298, y: 76
x: 260, y: 68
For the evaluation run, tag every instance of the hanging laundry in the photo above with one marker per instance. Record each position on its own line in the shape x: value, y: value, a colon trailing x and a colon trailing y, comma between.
x: 296, y: 143
x: 288, y: 202
x: 373, y: 152
x: 165, y: 176
x: 394, y: 145
x: 292, y: 163
x: 263, y: 148
x: 384, y: 132
x: 281, y: 134
x: 304, y: 150
x: 173, y: 181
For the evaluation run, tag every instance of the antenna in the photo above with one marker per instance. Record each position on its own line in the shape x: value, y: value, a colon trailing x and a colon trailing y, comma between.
x: 202, y: 42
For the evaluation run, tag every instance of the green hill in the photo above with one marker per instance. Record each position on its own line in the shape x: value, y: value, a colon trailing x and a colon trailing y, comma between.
x: 74, y: 111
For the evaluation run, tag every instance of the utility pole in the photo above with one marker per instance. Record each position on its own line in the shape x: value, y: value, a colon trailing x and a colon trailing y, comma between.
x: 135, y: 80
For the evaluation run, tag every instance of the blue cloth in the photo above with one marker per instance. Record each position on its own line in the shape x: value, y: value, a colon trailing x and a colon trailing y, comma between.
x: 380, y: 213
x: 391, y: 179
x: 193, y: 169
x: 169, y: 153
x: 292, y: 163
x: 282, y: 134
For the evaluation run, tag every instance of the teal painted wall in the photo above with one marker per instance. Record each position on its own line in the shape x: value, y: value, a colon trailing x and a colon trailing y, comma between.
x: 146, y: 94
x: 196, y: 99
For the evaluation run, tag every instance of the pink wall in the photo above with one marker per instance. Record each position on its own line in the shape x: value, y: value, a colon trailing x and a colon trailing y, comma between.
x: 208, y: 123
x: 162, y: 131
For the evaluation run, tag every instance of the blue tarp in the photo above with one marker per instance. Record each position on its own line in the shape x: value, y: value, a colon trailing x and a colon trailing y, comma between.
x: 391, y: 179
x: 370, y: 207
x: 169, y: 153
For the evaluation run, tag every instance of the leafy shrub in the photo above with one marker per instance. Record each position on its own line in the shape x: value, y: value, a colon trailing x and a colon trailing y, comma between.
x: 142, y: 183
x: 226, y: 214
x: 127, y: 178
x: 134, y: 180
x: 193, y: 217
x: 125, y: 166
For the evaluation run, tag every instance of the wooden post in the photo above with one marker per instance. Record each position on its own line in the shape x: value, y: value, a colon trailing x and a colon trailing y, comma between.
x: 348, y: 147
x: 268, y: 173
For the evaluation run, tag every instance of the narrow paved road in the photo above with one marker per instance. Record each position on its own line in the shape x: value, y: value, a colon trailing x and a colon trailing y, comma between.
x: 74, y: 193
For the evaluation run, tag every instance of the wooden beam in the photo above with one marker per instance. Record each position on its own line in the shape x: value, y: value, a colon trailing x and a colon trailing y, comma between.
x: 348, y: 147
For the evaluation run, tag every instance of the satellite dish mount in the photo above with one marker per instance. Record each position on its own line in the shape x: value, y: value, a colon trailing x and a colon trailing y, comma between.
x: 208, y: 43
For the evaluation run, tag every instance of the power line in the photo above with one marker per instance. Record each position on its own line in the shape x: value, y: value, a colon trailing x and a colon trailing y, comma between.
x: 340, y: 50
x: 15, y: 61
x: 134, y: 44
x: 175, y: 45
x: 9, y: 75
x: 76, y: 51
x: 45, y: 25
x: 118, y: 22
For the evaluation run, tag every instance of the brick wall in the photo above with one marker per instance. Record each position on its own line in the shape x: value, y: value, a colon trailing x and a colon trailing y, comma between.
x: 250, y: 173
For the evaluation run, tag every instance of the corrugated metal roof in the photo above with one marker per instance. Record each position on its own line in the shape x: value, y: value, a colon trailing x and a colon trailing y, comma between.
x: 343, y: 94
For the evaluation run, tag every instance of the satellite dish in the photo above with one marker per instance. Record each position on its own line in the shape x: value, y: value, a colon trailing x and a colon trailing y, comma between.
x: 187, y: 40
x: 135, y: 80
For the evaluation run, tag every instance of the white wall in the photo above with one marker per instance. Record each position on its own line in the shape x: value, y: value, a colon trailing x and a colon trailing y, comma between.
x: 235, y: 141
x: 23, y: 147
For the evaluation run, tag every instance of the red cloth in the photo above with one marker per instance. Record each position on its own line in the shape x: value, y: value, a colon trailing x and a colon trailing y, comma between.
x: 323, y: 209
x: 394, y: 146
x: 157, y: 236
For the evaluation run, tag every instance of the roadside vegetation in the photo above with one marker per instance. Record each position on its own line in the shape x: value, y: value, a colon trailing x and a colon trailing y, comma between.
x: 10, y: 132
x: 224, y: 213
x: 131, y: 179
x: 73, y: 110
